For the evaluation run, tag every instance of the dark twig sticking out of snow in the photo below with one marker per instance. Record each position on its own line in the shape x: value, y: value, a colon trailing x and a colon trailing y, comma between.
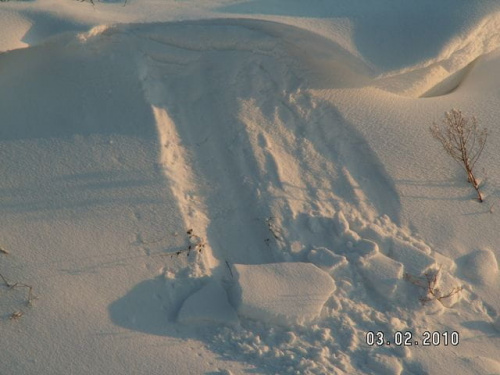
x: 29, y: 299
x: 196, y: 244
x: 229, y: 268
x: 463, y: 140
x: 274, y: 229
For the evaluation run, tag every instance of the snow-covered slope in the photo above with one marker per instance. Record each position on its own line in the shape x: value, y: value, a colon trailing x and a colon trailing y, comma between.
x: 224, y: 187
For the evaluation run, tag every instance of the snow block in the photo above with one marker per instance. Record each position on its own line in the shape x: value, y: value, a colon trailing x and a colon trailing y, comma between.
x: 352, y: 236
x: 366, y: 248
x: 326, y: 259
x: 281, y: 292
x: 208, y: 305
x: 416, y: 262
x: 382, y: 274
x: 480, y: 266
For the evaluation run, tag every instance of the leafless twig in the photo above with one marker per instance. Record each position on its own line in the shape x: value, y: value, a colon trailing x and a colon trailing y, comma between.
x: 429, y: 284
x: 16, y: 315
x: 229, y: 267
x: 30, y: 297
x: 274, y: 229
x: 196, y: 243
x: 463, y: 140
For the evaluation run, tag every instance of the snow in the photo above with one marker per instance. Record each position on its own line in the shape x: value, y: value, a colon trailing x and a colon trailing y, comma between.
x: 382, y: 364
x: 366, y: 248
x: 415, y: 261
x: 208, y: 305
x: 281, y: 292
x: 382, y: 273
x: 231, y: 187
x: 326, y: 259
x: 480, y: 266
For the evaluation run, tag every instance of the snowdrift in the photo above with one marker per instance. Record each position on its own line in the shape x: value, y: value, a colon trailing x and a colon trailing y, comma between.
x: 129, y: 136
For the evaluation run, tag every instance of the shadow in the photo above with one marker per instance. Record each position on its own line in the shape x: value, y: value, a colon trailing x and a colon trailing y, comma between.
x: 462, y: 198
x: 481, y: 326
x: 152, y: 305
x: 45, y: 26
x: 451, y: 83
x: 437, y: 190
x: 77, y: 115
x: 360, y: 166
x: 487, y: 210
x: 84, y: 191
x: 390, y: 36
x: 429, y: 183
x: 72, y: 89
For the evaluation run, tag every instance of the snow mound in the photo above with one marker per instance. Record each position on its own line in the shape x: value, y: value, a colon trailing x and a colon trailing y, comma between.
x: 290, y: 292
x: 480, y: 266
x: 208, y: 305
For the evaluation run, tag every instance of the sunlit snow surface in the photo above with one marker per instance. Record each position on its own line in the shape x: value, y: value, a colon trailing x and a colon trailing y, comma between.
x: 222, y: 187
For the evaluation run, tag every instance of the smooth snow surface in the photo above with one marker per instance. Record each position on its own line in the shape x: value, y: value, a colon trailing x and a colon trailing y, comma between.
x: 234, y: 187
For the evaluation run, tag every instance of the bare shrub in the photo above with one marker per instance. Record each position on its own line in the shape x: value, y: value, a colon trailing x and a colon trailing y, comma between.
x: 429, y: 284
x: 464, y: 140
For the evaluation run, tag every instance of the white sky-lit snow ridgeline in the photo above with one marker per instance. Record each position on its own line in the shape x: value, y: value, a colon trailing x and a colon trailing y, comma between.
x: 246, y: 187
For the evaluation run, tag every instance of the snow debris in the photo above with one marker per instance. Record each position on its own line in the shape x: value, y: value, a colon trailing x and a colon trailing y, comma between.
x: 326, y: 259
x: 382, y: 273
x: 416, y: 262
x: 366, y: 248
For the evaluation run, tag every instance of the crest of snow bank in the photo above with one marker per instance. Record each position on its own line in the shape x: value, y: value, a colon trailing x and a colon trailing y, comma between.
x: 14, y: 28
x: 94, y: 32
x: 443, y: 73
